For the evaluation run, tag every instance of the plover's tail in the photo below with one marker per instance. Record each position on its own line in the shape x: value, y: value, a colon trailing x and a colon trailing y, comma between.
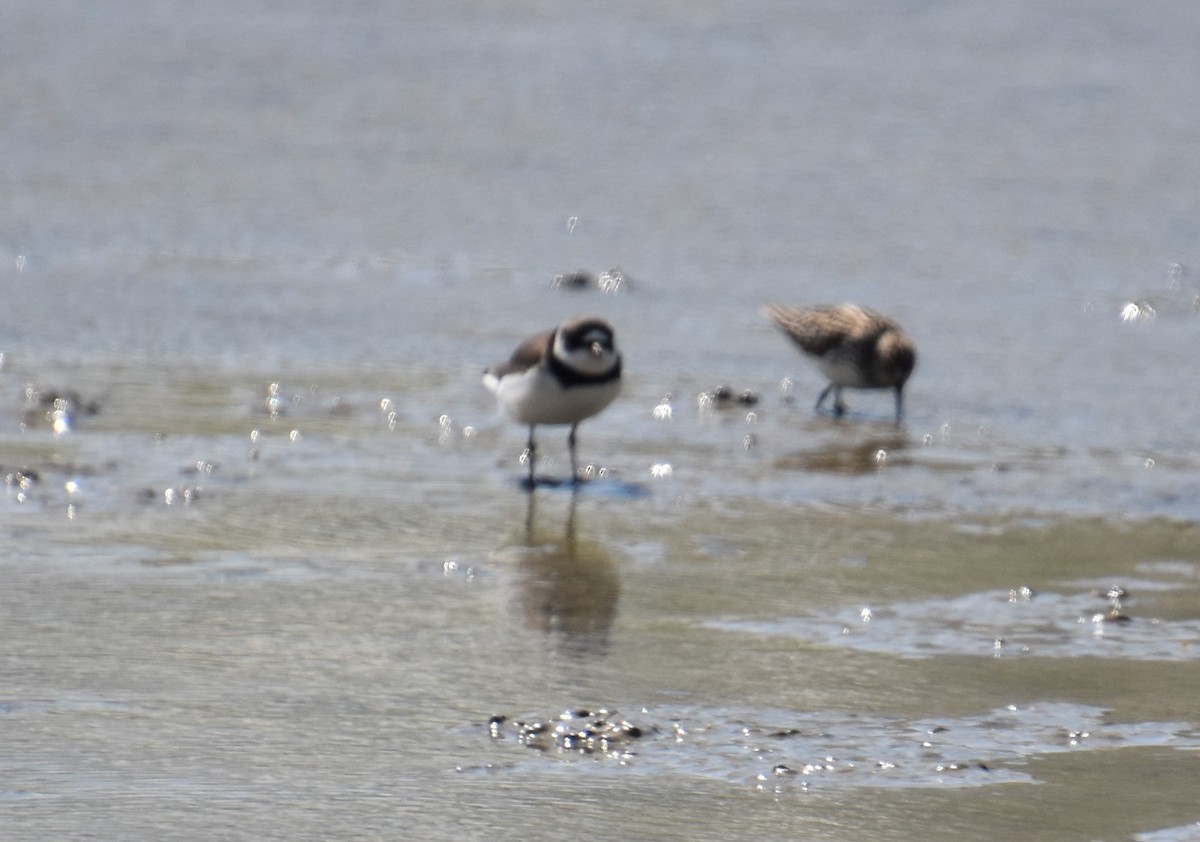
x: 491, y: 380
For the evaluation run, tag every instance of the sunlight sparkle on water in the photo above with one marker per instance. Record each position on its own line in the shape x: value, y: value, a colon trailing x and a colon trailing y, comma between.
x: 1137, y: 311
x: 611, y: 281
x: 60, y: 417
x: 388, y: 408
x: 664, y: 411
x: 274, y: 401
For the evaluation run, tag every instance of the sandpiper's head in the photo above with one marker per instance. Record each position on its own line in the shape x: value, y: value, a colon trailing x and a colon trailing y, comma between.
x: 587, y: 344
x: 897, y: 357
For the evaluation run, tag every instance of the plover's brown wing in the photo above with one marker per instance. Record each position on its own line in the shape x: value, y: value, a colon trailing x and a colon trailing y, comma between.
x: 528, y: 354
x: 818, y: 329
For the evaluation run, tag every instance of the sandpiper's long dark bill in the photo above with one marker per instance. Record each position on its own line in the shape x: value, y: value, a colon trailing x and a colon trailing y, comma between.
x: 854, y: 347
x: 559, y: 376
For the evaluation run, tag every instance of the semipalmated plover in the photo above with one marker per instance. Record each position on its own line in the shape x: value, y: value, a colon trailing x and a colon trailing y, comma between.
x: 560, y: 376
x: 854, y: 347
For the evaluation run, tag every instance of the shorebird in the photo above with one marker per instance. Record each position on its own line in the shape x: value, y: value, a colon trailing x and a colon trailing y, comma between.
x: 854, y: 347
x: 559, y: 376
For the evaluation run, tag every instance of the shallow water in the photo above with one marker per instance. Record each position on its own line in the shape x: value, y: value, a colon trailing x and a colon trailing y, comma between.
x: 270, y: 571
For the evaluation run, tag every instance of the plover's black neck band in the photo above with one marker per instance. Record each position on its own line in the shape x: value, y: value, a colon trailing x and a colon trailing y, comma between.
x: 568, y: 377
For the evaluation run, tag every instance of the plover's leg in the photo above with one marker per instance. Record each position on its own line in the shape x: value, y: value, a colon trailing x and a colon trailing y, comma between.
x: 530, y: 453
x: 824, y: 394
x: 899, y: 402
x: 571, y: 446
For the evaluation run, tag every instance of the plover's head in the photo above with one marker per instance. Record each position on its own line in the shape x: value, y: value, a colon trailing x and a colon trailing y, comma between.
x: 587, y: 345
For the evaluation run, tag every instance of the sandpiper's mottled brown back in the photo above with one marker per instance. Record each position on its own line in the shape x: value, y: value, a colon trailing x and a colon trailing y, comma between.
x: 819, y: 329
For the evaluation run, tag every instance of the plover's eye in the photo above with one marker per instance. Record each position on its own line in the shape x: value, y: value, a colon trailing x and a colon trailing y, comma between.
x: 596, y: 339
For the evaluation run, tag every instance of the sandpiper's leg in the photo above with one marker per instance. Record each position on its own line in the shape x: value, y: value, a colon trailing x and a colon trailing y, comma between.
x: 571, y: 446
x: 824, y: 394
x: 839, y: 407
x: 899, y: 402
x: 529, y: 454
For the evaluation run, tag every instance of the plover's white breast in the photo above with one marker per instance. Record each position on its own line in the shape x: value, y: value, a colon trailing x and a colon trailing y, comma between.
x: 534, y: 396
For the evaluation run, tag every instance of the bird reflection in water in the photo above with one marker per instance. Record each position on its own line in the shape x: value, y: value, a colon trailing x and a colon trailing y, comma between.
x: 566, y: 587
x: 858, y: 457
